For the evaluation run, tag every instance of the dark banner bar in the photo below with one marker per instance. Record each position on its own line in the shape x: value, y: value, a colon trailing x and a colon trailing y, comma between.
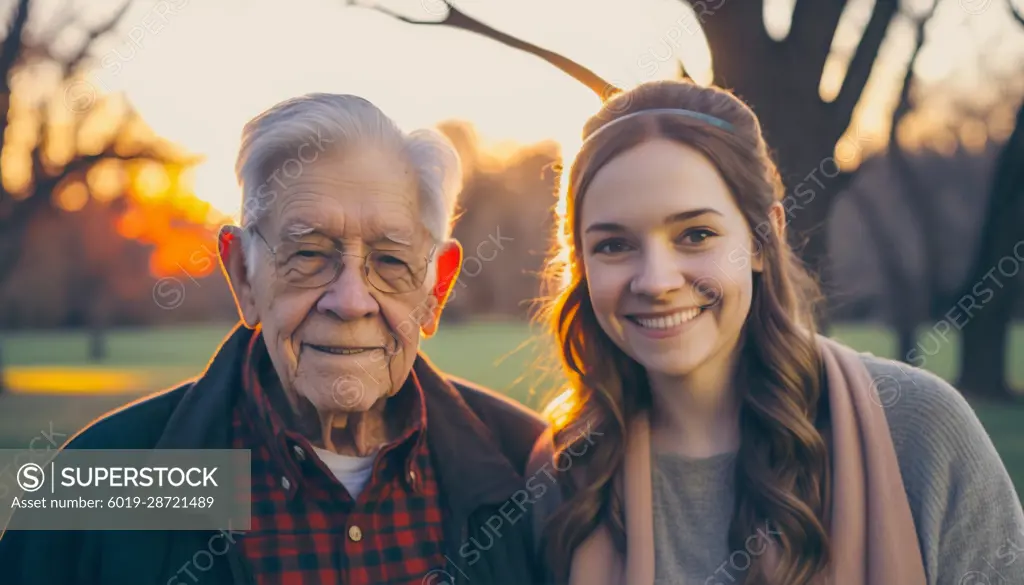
x: 125, y: 490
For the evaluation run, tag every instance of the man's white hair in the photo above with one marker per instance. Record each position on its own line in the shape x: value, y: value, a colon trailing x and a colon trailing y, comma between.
x: 297, y: 131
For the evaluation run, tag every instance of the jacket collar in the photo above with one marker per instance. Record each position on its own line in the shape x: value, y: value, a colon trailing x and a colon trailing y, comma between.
x: 471, y: 468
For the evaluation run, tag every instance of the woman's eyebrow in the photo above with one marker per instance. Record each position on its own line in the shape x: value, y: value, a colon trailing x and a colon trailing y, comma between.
x: 605, y: 227
x: 691, y: 214
x: 674, y: 218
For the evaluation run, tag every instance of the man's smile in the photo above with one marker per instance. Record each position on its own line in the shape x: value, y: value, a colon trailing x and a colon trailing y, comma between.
x: 342, y: 349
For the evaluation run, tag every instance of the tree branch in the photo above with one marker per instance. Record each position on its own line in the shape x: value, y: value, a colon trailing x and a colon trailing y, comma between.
x: 17, y: 48
x: 863, y: 60
x: 11, y: 46
x: 903, y: 104
x: 93, y: 34
x: 1017, y: 15
x: 455, y: 18
x: 15, y: 215
x: 62, y: 20
x: 914, y: 189
x: 9, y: 52
x: 813, y: 27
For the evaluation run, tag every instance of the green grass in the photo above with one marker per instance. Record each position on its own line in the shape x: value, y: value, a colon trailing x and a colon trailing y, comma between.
x: 503, y: 356
x: 189, y: 346
x: 1003, y: 423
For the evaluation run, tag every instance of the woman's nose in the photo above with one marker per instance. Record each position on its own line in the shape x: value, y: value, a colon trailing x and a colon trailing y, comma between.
x: 659, y: 272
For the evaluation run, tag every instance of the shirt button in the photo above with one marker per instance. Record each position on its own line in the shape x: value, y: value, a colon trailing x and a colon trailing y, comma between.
x: 285, y: 483
x: 299, y: 453
x: 355, y: 533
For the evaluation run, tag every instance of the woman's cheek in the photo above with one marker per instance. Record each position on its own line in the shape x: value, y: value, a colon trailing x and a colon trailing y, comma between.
x: 605, y: 291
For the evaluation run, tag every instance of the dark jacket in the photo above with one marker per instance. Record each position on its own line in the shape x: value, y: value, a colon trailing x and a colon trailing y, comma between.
x: 480, y: 443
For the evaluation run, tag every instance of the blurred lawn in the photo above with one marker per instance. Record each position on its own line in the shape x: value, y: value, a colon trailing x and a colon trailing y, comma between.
x: 501, y: 355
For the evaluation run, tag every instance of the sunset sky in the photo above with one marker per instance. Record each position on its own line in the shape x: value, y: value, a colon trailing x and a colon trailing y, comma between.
x: 202, y: 69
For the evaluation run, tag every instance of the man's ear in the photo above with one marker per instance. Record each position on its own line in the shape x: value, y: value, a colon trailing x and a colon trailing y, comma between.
x: 449, y: 264
x: 777, y: 221
x: 232, y: 262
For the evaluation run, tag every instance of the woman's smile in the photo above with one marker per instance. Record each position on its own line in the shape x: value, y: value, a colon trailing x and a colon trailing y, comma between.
x: 665, y: 324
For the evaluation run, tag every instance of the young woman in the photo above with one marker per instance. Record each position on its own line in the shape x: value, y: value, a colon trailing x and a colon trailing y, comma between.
x: 710, y: 434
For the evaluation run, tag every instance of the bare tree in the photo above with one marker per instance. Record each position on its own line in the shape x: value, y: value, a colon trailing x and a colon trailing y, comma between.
x: 911, y: 305
x: 988, y: 296
x: 780, y: 79
x: 59, y: 120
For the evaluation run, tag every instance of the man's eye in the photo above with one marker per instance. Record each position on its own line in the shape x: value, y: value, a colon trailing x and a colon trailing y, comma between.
x: 390, y: 260
x: 391, y: 268
x: 309, y: 254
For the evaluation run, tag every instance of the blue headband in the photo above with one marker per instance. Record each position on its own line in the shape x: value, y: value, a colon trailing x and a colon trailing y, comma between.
x: 720, y: 123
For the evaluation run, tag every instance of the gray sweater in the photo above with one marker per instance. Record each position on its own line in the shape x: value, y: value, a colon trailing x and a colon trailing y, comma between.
x: 969, y: 521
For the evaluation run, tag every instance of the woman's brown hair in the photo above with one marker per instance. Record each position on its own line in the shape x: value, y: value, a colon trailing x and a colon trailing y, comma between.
x: 782, y: 469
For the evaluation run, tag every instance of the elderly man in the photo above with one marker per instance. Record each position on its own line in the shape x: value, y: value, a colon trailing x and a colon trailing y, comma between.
x: 368, y: 464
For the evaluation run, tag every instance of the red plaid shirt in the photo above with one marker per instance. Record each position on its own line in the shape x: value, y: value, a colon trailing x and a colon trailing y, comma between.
x: 306, y: 528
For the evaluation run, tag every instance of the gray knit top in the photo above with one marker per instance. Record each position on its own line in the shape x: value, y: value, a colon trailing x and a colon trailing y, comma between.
x: 968, y: 517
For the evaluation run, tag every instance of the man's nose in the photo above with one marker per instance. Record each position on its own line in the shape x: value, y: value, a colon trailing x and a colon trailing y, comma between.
x: 349, y: 296
x: 659, y: 272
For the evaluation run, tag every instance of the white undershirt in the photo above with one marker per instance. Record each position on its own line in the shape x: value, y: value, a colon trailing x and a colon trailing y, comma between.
x: 352, y: 472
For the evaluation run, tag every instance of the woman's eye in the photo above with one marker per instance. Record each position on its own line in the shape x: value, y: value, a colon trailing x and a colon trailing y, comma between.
x: 697, y: 236
x: 611, y: 247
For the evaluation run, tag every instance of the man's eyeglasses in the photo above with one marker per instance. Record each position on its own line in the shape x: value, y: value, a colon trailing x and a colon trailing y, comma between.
x: 318, y: 262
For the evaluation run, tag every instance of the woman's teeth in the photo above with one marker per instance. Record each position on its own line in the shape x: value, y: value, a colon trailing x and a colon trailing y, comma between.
x: 669, y: 321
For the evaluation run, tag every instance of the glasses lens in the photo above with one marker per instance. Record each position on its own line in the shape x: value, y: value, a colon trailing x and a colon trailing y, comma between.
x: 394, y: 271
x: 306, y: 264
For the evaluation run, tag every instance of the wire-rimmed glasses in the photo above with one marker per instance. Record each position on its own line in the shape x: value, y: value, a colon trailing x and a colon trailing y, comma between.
x: 318, y: 262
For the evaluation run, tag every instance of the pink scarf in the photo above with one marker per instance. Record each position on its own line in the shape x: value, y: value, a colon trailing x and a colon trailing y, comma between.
x: 873, y: 539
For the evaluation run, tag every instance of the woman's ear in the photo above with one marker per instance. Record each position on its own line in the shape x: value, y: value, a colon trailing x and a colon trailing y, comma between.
x: 231, y: 247
x: 777, y: 226
x: 777, y: 216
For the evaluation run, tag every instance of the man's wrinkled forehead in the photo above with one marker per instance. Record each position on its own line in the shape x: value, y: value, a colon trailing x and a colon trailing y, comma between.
x: 368, y: 194
x: 370, y: 220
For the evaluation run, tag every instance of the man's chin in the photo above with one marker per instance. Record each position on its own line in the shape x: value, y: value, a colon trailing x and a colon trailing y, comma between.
x: 345, y: 395
x: 358, y: 398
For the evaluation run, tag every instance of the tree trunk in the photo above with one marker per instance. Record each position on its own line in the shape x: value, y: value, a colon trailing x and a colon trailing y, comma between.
x: 801, y: 129
x: 983, y: 355
x: 906, y: 339
x: 97, y: 342
x: 988, y: 298
x: 906, y: 297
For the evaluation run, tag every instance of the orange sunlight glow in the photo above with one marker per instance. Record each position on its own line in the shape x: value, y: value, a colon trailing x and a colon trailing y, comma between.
x: 71, y: 195
x: 165, y: 213
x: 150, y: 180
x: 558, y: 410
x: 570, y: 148
x: 176, y: 242
x: 105, y: 179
